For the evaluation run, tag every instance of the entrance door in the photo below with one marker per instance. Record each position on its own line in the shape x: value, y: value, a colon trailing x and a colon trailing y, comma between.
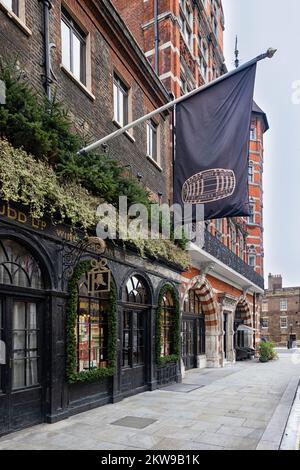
x: 21, y: 392
x: 225, y: 334
x: 134, y: 349
x: 188, y: 344
x: 193, y: 340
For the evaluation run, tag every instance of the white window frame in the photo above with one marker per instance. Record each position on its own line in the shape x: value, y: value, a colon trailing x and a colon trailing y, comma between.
x: 251, y: 172
x: 16, y: 13
x: 152, y: 140
x: 251, y: 218
x: 283, y: 305
x: 252, y: 257
x: 12, y: 5
x: 253, y: 133
x: 121, y: 101
x: 265, y: 326
x: 186, y: 23
x: 284, y: 327
x: 85, y: 80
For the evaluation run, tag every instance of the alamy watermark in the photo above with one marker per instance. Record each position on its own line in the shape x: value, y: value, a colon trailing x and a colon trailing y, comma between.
x: 160, y: 221
x: 296, y: 92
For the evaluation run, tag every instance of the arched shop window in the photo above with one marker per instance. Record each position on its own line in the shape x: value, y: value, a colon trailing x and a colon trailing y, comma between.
x: 136, y: 291
x: 192, y: 303
x: 18, y: 267
x: 166, y: 315
x: 193, y: 324
x: 91, y: 328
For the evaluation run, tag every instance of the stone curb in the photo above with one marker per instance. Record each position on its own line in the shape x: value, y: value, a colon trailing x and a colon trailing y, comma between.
x: 272, y: 437
x: 291, y: 438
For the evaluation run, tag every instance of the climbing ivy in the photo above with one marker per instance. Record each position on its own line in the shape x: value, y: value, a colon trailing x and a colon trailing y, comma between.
x: 71, y: 366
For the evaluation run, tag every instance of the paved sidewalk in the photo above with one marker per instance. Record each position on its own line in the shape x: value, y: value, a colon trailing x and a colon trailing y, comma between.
x: 245, y: 406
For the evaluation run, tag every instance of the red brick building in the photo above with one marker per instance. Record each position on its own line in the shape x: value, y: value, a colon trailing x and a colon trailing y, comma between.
x: 280, y: 317
x: 183, y: 40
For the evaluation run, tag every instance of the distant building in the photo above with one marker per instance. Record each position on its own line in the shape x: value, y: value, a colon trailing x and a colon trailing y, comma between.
x: 280, y: 317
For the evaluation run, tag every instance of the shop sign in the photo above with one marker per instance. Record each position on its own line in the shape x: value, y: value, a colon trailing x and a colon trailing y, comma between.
x: 99, y: 278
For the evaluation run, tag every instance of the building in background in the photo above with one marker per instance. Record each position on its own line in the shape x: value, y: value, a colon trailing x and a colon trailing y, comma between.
x: 280, y: 317
x: 183, y: 40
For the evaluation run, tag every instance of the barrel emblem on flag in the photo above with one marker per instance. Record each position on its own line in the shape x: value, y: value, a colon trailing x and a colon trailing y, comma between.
x: 209, y: 186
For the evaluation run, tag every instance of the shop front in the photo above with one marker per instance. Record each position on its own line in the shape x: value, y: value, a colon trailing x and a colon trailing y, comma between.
x: 81, y: 324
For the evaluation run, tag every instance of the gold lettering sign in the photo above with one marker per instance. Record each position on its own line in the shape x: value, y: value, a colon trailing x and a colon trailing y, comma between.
x: 99, y: 277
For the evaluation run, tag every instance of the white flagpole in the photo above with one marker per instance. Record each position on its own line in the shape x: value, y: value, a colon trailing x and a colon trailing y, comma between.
x: 269, y: 54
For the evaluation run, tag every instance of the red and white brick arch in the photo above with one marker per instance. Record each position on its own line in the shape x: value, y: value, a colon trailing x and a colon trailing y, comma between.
x: 211, y: 310
x: 244, y: 308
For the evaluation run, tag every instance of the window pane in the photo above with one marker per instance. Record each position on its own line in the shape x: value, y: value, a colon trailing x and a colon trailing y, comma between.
x: 65, y: 45
x: 32, y: 370
x: 76, y: 57
x: 121, y: 107
x: 18, y: 366
x: 8, y: 4
x: 116, y: 114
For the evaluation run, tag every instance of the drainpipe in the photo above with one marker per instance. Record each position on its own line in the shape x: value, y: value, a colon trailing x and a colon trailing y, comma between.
x: 156, y: 35
x: 47, y: 62
x: 254, y: 322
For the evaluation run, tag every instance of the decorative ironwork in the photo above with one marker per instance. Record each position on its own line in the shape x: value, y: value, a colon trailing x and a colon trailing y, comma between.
x: 216, y: 248
x: 18, y: 267
x: 73, y: 253
x: 167, y: 374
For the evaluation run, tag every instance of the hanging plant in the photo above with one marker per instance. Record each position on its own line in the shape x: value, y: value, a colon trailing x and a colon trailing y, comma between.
x: 175, y: 328
x: 71, y: 366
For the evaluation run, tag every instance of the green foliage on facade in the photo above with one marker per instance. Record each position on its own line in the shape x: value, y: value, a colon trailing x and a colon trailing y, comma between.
x: 72, y: 315
x: 41, y: 168
x: 34, y: 184
x: 175, y: 328
x: 39, y: 126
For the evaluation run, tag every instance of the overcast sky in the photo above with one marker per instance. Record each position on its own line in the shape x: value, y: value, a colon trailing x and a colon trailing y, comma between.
x: 260, y: 24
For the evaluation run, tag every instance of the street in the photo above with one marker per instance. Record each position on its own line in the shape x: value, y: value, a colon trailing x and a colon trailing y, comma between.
x: 245, y: 406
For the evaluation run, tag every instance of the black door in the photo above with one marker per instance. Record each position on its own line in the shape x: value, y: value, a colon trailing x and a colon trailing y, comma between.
x: 193, y: 340
x: 21, y: 391
x: 188, y: 343
x: 225, y: 334
x: 134, y: 346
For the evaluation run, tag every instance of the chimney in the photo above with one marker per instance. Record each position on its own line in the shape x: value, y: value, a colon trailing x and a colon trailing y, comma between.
x: 275, y: 281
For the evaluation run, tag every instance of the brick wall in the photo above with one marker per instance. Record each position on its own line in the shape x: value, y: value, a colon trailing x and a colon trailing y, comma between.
x: 272, y: 312
x: 112, y: 50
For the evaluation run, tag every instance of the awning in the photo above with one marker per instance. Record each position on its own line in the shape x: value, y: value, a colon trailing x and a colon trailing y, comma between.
x: 246, y: 328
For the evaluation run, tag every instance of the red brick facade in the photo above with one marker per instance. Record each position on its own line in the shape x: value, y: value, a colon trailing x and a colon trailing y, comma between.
x: 110, y: 50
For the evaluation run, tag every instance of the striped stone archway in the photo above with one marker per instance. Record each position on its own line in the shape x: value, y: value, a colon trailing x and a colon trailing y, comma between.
x: 211, y: 312
x: 244, y: 309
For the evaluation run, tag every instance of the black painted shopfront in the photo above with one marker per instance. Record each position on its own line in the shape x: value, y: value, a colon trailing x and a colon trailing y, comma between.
x: 57, y: 360
x: 193, y: 330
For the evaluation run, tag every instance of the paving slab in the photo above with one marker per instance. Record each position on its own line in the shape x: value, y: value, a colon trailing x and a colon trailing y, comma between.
x: 242, y: 407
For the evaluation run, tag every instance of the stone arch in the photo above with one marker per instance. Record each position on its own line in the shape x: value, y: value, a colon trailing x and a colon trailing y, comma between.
x: 208, y: 300
x: 244, y: 309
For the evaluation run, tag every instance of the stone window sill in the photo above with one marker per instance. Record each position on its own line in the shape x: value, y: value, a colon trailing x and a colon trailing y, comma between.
x: 126, y: 133
x: 21, y: 25
x: 85, y: 90
x: 158, y: 167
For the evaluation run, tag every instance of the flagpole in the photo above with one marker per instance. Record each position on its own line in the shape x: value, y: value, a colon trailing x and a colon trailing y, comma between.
x: 269, y: 54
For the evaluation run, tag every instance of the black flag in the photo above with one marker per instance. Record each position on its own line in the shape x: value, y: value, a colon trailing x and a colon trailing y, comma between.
x: 212, y: 146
